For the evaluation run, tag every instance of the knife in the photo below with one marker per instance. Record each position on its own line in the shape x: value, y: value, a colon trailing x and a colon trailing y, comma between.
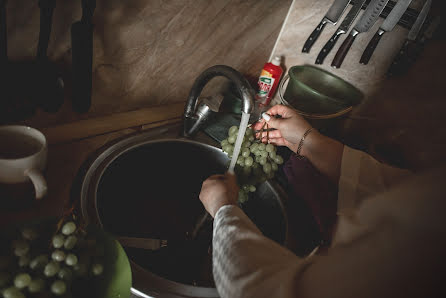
x: 367, y: 20
x: 82, y: 57
x: 387, y: 26
x: 345, y: 25
x: 332, y: 16
x: 397, y: 66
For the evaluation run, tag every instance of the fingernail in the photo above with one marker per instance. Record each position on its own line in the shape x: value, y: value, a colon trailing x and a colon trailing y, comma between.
x: 266, y: 117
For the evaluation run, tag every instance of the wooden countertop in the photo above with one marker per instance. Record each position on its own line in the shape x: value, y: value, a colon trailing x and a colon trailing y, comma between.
x: 70, y: 145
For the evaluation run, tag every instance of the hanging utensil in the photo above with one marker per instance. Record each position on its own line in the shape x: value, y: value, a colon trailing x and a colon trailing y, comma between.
x: 345, y: 25
x: 49, y: 93
x: 332, y: 16
x: 401, y: 61
x: 82, y: 57
x: 367, y: 20
x: 387, y: 26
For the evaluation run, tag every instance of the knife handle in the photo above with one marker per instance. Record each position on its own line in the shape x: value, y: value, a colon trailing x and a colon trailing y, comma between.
x: 373, y: 43
x: 343, y: 50
x: 313, y: 36
x: 3, y: 34
x: 329, y: 46
x: 405, y: 57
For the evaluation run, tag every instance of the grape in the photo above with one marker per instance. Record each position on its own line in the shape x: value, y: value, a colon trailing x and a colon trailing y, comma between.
x: 226, y: 148
x: 257, y: 158
x: 71, y: 260
x: 13, y: 292
x: 278, y: 159
x: 261, y: 147
x: 252, y: 188
x: 97, y: 269
x: 36, y: 285
x: 264, y: 154
x: 69, y: 228
x: 245, y: 152
x: 249, y: 132
x: 273, y: 154
x: 38, y: 262
x: 253, y: 147
x: 22, y: 280
x: 29, y: 234
x: 274, y: 166
x: 20, y: 247
x: 232, y: 139
x: 58, y: 287
x: 70, y: 242
x: 257, y: 152
x: 242, y: 196
x: 233, y: 130
x: 249, y: 161
x: 58, y: 255
x: 251, y: 138
x: 255, y: 165
x: 24, y: 260
x: 58, y: 241
x: 65, y: 274
x: 51, y: 269
x: 267, y: 168
x: 262, y: 160
x: 269, y: 148
x: 224, y: 143
x: 4, y: 279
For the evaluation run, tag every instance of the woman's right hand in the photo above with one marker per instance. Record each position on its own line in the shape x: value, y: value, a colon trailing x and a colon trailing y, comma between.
x: 289, y: 128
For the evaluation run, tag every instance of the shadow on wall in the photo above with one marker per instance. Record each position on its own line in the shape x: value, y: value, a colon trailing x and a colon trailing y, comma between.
x: 148, y: 52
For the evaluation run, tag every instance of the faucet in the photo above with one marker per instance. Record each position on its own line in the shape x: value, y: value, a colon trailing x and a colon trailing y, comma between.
x: 193, y: 120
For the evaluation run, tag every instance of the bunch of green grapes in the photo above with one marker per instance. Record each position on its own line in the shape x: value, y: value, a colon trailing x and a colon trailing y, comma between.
x: 256, y: 162
x: 36, y: 268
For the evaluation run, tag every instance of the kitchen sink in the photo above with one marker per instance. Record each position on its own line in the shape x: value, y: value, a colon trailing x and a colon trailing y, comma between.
x: 146, y: 185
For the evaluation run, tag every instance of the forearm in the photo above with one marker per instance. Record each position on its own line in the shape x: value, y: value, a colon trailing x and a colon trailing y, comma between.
x: 246, y: 263
x: 324, y: 153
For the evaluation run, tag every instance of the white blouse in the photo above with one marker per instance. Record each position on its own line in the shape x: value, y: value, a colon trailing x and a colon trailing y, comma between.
x: 387, y: 243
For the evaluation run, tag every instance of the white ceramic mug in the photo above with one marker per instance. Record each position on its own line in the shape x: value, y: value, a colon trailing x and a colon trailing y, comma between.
x: 23, y: 154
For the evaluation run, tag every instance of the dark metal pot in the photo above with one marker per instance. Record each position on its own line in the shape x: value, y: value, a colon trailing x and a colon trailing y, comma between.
x: 147, y: 187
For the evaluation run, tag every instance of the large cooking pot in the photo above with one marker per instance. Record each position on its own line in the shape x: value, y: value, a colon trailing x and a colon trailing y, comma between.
x: 146, y: 187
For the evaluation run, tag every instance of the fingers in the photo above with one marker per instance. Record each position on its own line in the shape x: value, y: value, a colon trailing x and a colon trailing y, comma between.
x: 282, y: 110
x: 271, y: 134
x: 276, y: 141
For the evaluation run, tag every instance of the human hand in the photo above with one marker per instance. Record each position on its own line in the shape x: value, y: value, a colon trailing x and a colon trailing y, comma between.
x: 289, y: 129
x: 218, y: 191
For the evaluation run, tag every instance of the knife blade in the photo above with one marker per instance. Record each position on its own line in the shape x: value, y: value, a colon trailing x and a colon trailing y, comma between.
x: 367, y: 20
x: 345, y: 25
x: 402, y: 58
x: 332, y: 16
x: 387, y: 26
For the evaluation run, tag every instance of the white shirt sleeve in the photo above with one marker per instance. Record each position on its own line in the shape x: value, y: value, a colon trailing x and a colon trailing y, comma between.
x: 384, y: 247
x: 246, y: 263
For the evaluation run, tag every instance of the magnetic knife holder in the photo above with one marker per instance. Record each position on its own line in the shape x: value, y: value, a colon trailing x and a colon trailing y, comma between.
x: 406, y: 20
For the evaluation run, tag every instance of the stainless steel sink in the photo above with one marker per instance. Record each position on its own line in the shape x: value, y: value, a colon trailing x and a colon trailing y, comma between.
x: 146, y: 185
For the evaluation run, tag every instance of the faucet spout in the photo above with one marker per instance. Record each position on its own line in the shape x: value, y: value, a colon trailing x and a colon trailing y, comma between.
x: 244, y: 88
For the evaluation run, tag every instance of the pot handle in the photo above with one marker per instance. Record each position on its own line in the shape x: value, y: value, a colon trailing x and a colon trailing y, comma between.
x: 39, y: 182
x: 282, y: 83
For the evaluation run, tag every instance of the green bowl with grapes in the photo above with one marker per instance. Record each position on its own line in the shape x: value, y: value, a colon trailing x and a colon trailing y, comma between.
x: 48, y: 258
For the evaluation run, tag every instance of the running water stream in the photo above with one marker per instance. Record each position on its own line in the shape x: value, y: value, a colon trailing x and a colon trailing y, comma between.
x: 239, y: 141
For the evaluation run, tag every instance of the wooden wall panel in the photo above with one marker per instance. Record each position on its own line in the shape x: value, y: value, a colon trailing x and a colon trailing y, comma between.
x: 148, y: 52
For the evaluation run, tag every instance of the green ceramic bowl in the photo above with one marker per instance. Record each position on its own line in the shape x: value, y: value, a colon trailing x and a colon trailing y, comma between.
x: 115, y: 282
x: 317, y: 93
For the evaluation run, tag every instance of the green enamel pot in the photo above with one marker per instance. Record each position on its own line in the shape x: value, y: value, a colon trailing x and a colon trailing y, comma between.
x: 318, y: 94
